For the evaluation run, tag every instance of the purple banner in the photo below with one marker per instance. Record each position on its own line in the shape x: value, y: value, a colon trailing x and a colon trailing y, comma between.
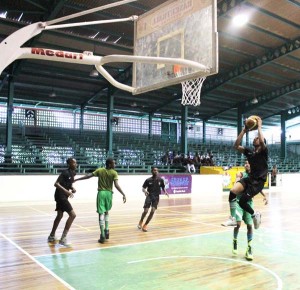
x: 177, y: 184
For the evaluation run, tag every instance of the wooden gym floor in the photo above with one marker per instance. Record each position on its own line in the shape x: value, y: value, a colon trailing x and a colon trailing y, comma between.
x: 185, y: 247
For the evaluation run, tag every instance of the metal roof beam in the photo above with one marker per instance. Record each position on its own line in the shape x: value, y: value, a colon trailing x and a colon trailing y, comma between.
x: 240, y: 70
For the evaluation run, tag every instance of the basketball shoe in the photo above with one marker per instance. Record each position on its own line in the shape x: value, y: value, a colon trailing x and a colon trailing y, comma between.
x: 234, y: 247
x: 249, y: 255
x: 256, y: 220
x: 230, y: 222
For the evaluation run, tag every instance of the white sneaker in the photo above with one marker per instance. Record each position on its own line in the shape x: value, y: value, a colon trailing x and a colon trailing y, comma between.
x: 257, y: 220
x: 230, y: 222
x: 64, y: 242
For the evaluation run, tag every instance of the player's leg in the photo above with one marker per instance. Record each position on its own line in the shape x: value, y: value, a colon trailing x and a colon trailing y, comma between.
x: 56, y: 222
x: 106, y: 230
x: 248, y: 221
x: 142, y: 217
x: 149, y: 218
x: 235, y: 237
x: 101, y: 226
x: 249, y: 254
x: 63, y: 239
x: 108, y: 206
x: 151, y: 214
x: 104, y: 204
x: 253, y: 188
x: 239, y: 218
x: 147, y: 205
x: 237, y: 189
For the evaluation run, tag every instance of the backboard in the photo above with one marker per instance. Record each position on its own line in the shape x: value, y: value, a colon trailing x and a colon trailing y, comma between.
x: 185, y: 29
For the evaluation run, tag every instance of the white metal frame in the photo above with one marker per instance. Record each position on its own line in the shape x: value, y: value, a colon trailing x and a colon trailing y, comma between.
x: 11, y: 50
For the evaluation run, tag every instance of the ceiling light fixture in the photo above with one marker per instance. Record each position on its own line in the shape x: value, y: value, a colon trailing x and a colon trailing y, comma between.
x: 240, y: 20
x: 94, y: 73
x: 254, y: 101
x: 52, y: 94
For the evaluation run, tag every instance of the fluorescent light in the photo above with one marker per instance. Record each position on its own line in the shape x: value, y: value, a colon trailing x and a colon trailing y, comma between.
x: 240, y: 19
x: 3, y: 14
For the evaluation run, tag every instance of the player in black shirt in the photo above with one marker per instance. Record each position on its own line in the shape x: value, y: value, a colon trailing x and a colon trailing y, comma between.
x: 64, y: 190
x: 254, y: 183
x: 152, y: 188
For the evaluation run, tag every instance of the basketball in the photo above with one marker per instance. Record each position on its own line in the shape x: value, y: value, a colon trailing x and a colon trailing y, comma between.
x: 251, y: 123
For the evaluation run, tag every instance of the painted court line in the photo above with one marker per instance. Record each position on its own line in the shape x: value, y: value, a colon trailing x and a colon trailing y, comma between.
x: 131, y: 244
x: 37, y: 262
x: 279, y: 281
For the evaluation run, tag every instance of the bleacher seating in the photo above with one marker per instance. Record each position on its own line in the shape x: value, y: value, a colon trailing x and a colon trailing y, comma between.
x: 46, y: 152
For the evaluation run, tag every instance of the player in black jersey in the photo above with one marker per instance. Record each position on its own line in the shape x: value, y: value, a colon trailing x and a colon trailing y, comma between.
x: 152, y: 188
x: 254, y: 183
x: 64, y: 190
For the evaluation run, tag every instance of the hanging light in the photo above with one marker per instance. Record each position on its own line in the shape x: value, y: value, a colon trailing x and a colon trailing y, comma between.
x: 52, y: 94
x: 94, y: 73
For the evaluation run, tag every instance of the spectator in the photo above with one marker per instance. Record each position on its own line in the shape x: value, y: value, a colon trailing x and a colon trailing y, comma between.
x: 190, y: 164
x: 274, y: 175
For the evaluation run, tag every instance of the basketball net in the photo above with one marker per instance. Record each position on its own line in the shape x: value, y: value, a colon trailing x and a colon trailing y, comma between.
x: 191, y: 89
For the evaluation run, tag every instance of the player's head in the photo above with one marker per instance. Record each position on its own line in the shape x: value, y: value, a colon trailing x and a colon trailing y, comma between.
x: 72, y: 164
x: 247, y: 166
x: 110, y: 163
x: 256, y: 142
x: 154, y: 171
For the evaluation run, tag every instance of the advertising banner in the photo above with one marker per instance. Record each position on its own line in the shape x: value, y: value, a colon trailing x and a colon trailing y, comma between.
x: 177, y: 184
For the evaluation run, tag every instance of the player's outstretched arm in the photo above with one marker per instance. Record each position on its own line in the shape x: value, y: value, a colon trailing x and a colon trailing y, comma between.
x: 237, y: 143
x: 87, y: 176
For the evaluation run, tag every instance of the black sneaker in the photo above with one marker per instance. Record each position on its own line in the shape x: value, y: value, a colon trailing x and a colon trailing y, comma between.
x: 101, y: 240
x: 107, y: 234
x: 234, y: 247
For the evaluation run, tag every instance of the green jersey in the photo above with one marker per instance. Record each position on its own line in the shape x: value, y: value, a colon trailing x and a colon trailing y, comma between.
x: 106, y: 178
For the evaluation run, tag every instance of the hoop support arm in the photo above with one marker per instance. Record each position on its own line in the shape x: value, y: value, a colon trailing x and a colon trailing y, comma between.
x: 10, y: 47
x: 131, y: 18
x: 152, y: 59
x: 93, y: 10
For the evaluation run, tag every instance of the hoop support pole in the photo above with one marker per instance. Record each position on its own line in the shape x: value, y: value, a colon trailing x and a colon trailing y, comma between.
x: 131, y: 18
x: 93, y: 10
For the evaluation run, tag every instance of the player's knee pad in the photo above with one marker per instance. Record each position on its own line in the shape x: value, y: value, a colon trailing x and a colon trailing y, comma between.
x: 101, y: 217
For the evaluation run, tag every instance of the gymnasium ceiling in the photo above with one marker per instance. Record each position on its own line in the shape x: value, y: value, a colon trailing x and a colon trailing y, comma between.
x: 257, y: 62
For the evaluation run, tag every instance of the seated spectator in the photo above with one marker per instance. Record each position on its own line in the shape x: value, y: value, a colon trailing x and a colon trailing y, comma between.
x: 165, y: 159
x: 190, y: 164
x: 197, y: 161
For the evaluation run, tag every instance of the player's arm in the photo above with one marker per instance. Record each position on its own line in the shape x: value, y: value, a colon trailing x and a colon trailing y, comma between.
x: 165, y: 192
x: 260, y: 134
x: 237, y: 143
x: 87, y: 176
x: 163, y: 189
x: 266, y: 201
x: 59, y: 186
x: 117, y: 186
x: 144, y: 189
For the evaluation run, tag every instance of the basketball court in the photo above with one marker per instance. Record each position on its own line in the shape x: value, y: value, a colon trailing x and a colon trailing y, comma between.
x: 185, y: 247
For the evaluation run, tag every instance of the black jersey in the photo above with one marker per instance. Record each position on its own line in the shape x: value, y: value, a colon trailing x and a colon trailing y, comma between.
x: 154, y: 185
x: 65, y: 179
x: 258, y: 163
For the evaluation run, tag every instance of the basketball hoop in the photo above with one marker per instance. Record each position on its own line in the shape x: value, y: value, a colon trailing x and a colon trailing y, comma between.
x: 191, y: 89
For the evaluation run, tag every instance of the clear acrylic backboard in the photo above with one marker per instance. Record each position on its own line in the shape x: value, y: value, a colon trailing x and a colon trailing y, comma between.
x: 185, y: 29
